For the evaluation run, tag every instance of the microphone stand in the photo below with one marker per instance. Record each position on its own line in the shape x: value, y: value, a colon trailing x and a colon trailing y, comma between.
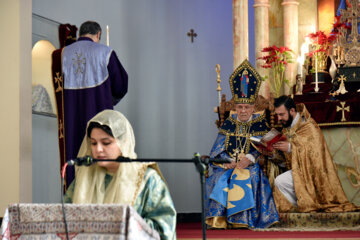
x: 201, y: 168
x: 200, y: 164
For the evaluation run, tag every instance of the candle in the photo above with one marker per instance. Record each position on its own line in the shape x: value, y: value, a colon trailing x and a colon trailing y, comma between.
x: 305, y: 46
x: 299, y: 65
x: 313, y: 28
x: 316, y: 75
x: 341, y: 53
x: 107, y: 36
x: 304, y: 52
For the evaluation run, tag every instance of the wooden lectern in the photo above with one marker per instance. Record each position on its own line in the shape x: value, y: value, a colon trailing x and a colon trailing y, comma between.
x: 84, y: 221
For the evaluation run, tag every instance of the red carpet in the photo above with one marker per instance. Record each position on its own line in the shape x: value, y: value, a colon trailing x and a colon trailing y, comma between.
x: 193, y: 230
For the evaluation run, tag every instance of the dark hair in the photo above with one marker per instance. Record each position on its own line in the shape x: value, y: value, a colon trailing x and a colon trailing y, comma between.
x: 288, y: 102
x: 89, y: 27
x: 93, y: 125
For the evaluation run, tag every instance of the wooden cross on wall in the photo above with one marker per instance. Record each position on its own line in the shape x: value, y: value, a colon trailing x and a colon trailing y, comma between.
x: 192, y: 34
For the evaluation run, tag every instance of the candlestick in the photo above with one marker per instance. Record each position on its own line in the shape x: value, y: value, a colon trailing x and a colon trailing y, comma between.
x: 107, y: 36
x: 316, y: 75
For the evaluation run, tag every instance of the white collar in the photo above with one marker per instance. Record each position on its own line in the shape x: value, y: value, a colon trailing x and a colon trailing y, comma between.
x: 295, y: 120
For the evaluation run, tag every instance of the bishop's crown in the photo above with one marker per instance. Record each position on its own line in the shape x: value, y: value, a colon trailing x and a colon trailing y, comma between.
x: 245, y: 83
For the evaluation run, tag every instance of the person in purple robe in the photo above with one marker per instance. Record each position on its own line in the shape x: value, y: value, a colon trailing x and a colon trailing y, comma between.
x: 93, y: 80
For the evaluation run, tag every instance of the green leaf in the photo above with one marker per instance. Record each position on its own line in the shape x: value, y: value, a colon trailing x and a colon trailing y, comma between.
x: 263, y: 78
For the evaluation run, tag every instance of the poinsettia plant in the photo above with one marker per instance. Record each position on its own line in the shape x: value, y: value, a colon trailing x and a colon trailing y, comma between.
x: 321, y: 42
x: 338, y: 25
x: 276, y: 60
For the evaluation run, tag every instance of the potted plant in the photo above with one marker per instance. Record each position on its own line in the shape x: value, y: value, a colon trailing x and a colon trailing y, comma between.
x: 276, y: 60
x: 321, y: 45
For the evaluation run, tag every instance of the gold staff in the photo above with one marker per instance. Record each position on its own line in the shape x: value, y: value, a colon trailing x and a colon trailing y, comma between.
x: 218, y: 89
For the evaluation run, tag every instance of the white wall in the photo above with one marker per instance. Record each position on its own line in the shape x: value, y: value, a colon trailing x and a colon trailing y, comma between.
x: 172, y: 82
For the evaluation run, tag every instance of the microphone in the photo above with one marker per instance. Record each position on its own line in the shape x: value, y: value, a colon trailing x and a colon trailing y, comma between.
x: 88, y: 160
x: 81, y: 161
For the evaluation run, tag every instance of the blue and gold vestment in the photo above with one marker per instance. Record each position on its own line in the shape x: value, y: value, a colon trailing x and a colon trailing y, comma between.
x: 154, y: 203
x: 237, y: 198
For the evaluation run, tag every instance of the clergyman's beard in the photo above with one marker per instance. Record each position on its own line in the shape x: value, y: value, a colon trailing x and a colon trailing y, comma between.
x: 288, y: 122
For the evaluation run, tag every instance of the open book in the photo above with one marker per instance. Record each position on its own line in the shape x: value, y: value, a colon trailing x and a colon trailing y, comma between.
x: 267, y: 141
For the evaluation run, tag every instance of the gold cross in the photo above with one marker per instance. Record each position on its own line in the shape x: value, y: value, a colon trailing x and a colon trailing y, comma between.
x: 342, y: 78
x: 59, y: 81
x: 343, y: 109
x: 61, y: 129
x: 79, y: 62
x: 236, y: 151
x: 352, y: 14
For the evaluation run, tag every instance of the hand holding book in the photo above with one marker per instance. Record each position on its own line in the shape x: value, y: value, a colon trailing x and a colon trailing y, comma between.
x: 266, y: 142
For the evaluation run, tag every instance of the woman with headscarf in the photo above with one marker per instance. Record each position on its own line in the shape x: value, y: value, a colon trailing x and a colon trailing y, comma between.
x: 141, y: 185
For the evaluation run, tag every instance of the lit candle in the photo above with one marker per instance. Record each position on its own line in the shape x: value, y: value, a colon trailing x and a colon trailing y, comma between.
x: 299, y: 65
x: 313, y: 28
x: 305, y: 46
x: 107, y: 36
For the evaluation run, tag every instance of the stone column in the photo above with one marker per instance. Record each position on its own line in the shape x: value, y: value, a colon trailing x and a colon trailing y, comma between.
x: 291, y: 38
x: 15, y: 103
x: 240, y: 31
x: 261, y: 8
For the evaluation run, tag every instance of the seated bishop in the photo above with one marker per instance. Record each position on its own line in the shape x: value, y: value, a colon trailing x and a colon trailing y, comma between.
x: 238, y: 194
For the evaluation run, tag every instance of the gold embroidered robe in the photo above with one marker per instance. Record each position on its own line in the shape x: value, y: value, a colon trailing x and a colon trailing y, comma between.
x: 316, y: 182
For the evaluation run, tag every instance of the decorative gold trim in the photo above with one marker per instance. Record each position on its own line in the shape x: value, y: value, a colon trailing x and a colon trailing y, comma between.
x: 63, y: 118
x: 139, y: 181
x: 338, y: 123
x: 227, y: 140
x: 58, y: 80
x: 260, y: 133
x: 244, y: 149
x: 244, y: 134
x: 217, y: 222
x: 249, y: 123
x: 245, y: 65
x: 227, y: 133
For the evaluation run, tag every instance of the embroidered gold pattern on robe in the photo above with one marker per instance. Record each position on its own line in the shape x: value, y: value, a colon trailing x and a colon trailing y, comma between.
x: 317, y: 185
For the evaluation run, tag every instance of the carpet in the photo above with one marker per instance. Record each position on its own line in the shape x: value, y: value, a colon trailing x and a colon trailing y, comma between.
x: 194, y: 231
x: 347, y: 221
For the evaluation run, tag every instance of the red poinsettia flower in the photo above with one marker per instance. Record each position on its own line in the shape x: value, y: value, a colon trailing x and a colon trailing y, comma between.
x: 338, y: 25
x: 276, y: 59
x: 267, y: 49
x: 321, y: 41
x: 266, y: 66
x: 284, y: 49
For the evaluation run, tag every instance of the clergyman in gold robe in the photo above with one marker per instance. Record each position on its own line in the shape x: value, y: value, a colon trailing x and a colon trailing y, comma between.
x: 312, y: 183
